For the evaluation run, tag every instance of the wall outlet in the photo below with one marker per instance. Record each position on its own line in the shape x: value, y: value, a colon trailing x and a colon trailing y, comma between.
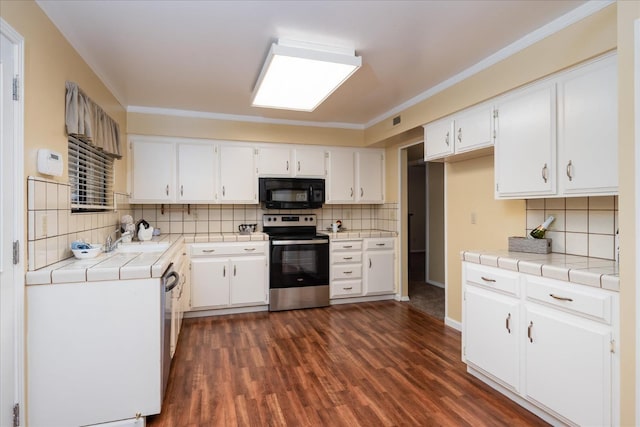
x: 474, y: 218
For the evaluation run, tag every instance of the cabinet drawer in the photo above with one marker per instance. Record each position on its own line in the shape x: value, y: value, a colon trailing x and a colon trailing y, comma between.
x: 346, y: 245
x: 578, y: 299
x: 342, y: 288
x: 349, y: 271
x: 383, y: 243
x: 208, y: 249
x: 346, y: 258
x: 493, y: 278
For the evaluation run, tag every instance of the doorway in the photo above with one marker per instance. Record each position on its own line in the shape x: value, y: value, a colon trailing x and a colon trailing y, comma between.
x: 11, y: 226
x: 425, y: 232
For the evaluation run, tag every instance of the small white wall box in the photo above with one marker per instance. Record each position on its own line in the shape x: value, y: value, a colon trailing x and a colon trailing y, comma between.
x: 49, y: 162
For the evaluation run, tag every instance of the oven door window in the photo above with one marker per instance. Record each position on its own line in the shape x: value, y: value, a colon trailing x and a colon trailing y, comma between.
x: 299, y: 265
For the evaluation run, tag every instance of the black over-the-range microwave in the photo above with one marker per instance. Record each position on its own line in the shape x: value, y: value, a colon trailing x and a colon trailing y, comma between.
x: 291, y: 193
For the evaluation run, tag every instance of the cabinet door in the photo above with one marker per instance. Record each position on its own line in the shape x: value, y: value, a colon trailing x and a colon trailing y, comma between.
x: 472, y: 129
x: 370, y: 179
x: 309, y: 162
x: 196, y: 173
x: 378, y: 276
x: 438, y: 137
x: 526, y: 143
x: 274, y: 162
x: 491, y: 334
x: 340, y: 179
x: 238, y: 177
x: 152, y: 171
x: 588, y: 129
x: 568, y: 365
x: 248, y: 280
x: 209, y: 282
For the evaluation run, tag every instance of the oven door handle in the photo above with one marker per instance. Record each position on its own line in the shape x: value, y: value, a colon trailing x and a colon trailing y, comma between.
x: 165, y: 280
x: 299, y: 242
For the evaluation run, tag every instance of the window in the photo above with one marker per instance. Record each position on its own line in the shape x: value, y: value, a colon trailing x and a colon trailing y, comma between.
x: 90, y: 176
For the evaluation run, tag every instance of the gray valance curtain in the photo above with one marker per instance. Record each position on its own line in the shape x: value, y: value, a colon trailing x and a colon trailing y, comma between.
x: 88, y: 122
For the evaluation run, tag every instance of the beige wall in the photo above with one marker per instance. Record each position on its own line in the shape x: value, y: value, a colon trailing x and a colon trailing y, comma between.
x: 154, y: 124
x: 49, y: 62
x: 628, y: 11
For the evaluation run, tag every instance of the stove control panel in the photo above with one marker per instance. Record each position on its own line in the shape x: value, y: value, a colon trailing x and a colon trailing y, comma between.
x: 289, y: 220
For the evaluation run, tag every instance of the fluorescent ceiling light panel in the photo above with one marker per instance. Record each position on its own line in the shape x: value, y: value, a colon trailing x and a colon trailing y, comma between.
x: 300, y: 76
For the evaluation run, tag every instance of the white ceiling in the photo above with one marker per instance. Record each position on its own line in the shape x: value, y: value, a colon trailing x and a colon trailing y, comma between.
x: 205, y: 56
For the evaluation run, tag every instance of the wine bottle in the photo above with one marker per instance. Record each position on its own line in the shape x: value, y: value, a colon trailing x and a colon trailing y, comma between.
x: 538, y: 232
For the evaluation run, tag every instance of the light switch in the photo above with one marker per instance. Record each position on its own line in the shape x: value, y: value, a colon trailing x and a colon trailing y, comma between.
x: 473, y: 217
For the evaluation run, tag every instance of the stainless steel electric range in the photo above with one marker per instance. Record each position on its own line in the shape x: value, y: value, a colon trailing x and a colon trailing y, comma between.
x: 299, y: 262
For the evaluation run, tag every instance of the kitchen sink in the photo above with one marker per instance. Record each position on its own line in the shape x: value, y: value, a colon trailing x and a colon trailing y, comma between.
x: 143, y: 247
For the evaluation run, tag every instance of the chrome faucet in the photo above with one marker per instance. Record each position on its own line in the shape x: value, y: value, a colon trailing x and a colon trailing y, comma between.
x: 110, y: 245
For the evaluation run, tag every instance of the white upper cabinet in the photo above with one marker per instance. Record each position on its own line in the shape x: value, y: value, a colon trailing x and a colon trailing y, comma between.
x: 459, y: 133
x: 238, y: 174
x: 559, y: 137
x: 588, y: 129
x: 152, y: 171
x: 196, y: 173
x: 355, y: 176
x: 438, y: 139
x: 295, y: 162
x: 526, y: 142
x: 164, y: 170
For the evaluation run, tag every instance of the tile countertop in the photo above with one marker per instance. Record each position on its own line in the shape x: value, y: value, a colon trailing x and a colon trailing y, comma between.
x: 358, y: 234
x: 127, y: 265
x: 596, y: 272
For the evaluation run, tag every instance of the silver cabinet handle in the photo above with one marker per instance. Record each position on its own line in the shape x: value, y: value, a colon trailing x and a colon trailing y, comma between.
x: 361, y: 192
x: 351, y: 192
x: 560, y: 298
x: 380, y: 244
x: 348, y: 289
x: 459, y: 134
x: 545, y: 172
x: 569, y: 170
x: 529, y: 331
x: 208, y: 250
x: 224, y: 271
x: 369, y: 262
x: 446, y: 139
x: 348, y: 272
x: 507, y: 323
x: 182, y: 190
x: 298, y: 165
x: 223, y: 192
x: 287, y: 165
x: 486, y: 279
x: 347, y: 246
x: 234, y: 270
x: 166, y: 190
x: 347, y: 257
x: 249, y: 249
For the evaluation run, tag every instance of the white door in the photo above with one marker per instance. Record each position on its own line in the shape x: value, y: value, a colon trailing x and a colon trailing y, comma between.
x: 438, y: 139
x: 153, y: 171
x: 309, y: 162
x: 11, y: 227
x: 248, y: 280
x: 526, y: 143
x: 209, y: 282
x: 238, y: 175
x: 588, y: 129
x: 370, y: 177
x: 196, y: 173
x: 340, y: 178
x: 378, y: 277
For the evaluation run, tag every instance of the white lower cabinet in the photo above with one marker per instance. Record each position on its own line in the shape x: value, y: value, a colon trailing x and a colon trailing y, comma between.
x: 346, y: 268
x: 549, y: 342
x: 228, y: 274
x: 379, y: 259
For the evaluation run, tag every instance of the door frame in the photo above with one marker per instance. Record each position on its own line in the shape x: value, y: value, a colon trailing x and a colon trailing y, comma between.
x: 19, y: 213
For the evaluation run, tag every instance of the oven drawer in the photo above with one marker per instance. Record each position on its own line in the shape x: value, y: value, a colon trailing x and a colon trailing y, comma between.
x: 346, y: 258
x: 345, y: 288
x: 216, y: 249
x: 349, y: 271
x: 346, y: 245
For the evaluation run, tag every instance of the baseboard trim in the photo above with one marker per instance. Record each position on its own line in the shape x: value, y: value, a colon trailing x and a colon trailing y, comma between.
x: 453, y: 324
x: 223, y: 311
x: 436, y: 284
x: 362, y: 299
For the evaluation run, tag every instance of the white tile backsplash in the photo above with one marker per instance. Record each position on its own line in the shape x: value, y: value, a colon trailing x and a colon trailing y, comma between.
x: 583, y: 226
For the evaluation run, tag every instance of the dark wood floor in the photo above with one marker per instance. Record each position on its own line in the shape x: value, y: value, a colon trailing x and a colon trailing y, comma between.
x: 371, y: 364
